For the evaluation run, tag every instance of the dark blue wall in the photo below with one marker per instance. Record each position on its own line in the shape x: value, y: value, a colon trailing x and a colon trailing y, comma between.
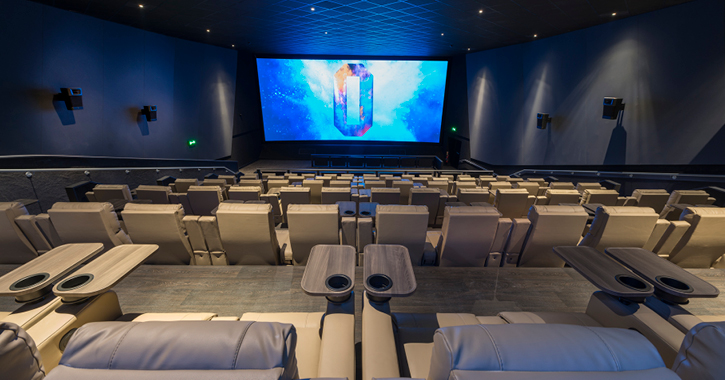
x: 120, y: 69
x: 668, y: 65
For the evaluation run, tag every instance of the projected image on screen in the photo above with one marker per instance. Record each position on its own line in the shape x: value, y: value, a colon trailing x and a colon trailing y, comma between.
x: 363, y: 100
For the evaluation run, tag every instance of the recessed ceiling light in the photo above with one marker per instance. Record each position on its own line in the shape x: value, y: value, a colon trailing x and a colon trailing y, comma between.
x: 536, y: 35
x: 469, y: 48
x: 325, y: 32
x: 208, y: 30
x: 614, y: 14
x: 442, y: 34
x: 312, y: 9
x: 232, y: 45
x: 480, y: 11
x: 140, y: 5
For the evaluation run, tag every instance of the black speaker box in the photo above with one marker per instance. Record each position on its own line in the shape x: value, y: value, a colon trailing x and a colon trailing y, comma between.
x: 612, y: 106
x: 150, y: 113
x: 73, y: 98
x: 542, y: 120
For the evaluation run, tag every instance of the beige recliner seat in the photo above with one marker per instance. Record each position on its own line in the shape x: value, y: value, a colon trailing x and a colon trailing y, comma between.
x: 340, y: 183
x: 245, y: 193
x: 440, y: 184
x: 562, y: 185
x: 605, y: 197
x: 156, y: 194
x: 405, y: 187
x: 87, y: 222
x: 310, y: 225
x: 250, y: 182
x: 16, y: 248
x: 551, y: 226
x: 332, y: 195
x: 276, y: 184
x: 403, y: 225
x: 581, y: 186
x: 370, y: 183
x: 315, y: 186
x: 231, y: 179
x: 429, y: 197
x: 620, y: 226
x: 293, y: 195
x: 182, y: 185
x: 513, y: 203
x: 247, y: 234
x: 704, y: 241
x: 467, y: 236
x: 692, y: 197
x: 161, y: 225
x: 221, y: 183
x: 385, y: 195
x: 531, y: 187
x: 557, y: 196
x: 105, y: 193
x: 653, y: 198
x: 204, y: 199
x: 473, y: 195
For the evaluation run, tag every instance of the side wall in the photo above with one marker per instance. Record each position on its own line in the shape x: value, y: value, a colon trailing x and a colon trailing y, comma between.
x: 668, y: 65
x: 120, y: 69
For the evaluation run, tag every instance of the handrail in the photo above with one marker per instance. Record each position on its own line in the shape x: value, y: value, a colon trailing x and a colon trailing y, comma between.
x: 626, y: 175
x: 199, y: 168
x: 317, y: 171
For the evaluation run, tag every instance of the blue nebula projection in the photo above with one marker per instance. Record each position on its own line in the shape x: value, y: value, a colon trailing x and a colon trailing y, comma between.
x: 352, y: 100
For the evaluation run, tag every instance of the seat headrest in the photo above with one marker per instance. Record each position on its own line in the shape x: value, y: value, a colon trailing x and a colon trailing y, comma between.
x: 313, y: 208
x: 153, y: 208
x: 473, y: 190
x: 82, y: 206
x: 187, y: 180
x: 154, y: 188
x: 600, y: 191
x: 558, y: 210
x: 426, y: 190
x: 512, y: 191
x: 245, y: 189
x: 336, y: 190
x: 294, y: 189
x: 625, y: 210
x: 11, y: 206
x: 703, y: 212
x: 539, y: 348
x: 401, y: 209
x: 561, y: 192
x: 213, y: 188
x: 249, y: 208
x: 384, y: 190
x: 110, y: 187
x: 19, y: 357
x: 451, y: 210
x: 268, y: 348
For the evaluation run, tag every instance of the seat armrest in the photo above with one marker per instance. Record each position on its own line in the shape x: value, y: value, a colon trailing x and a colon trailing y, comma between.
x: 519, y: 231
x: 675, y: 231
x: 91, y: 196
x: 196, y: 238
x: 337, y: 347
x: 379, y: 356
x: 502, y: 235
x: 213, y: 239
x: 31, y: 230
x: 48, y: 230
x: 657, y: 232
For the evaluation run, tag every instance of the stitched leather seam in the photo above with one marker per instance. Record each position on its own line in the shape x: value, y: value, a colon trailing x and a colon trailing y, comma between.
x: 37, y: 362
x: 495, y: 346
x: 686, y: 349
x: 611, y: 352
x: 239, y: 344
x: 110, y: 361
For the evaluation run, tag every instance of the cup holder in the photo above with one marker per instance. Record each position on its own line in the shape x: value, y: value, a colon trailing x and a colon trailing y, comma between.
x: 365, y: 213
x: 674, y: 284
x: 631, y: 282
x: 349, y: 212
x: 29, y: 281
x: 338, y: 283
x: 379, y: 282
x: 75, y: 282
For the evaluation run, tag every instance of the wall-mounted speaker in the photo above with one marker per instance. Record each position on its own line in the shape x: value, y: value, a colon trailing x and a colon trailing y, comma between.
x: 150, y: 113
x: 612, y: 107
x: 73, y: 98
x: 542, y: 120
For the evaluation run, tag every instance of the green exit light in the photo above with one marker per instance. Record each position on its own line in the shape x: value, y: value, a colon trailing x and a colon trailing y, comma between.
x: 453, y: 129
x: 191, y: 143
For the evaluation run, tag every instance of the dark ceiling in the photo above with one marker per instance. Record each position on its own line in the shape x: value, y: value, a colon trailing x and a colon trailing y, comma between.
x: 437, y: 28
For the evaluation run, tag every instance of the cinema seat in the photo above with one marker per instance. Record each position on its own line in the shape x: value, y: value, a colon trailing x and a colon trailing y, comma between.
x: 245, y: 193
x: 551, y: 226
x: 559, y: 196
x: 385, y: 195
x: 231, y: 179
x: 247, y: 234
x: 272, y: 198
x: 467, y: 236
x: 161, y: 225
x: 403, y: 225
x: 429, y: 197
x: 183, y: 200
x: 251, y: 182
x: 293, y: 195
x: 370, y: 183
x: 16, y: 248
x: 405, y: 187
x: 332, y: 195
x: 616, y: 226
x: 204, y: 199
x: 691, y: 197
x: 562, y: 185
x: 310, y: 225
x: 339, y: 183
x: 87, y: 222
x: 513, y: 203
x: 604, y: 197
x: 464, y: 185
x: 484, y: 181
x: 156, y: 194
x: 581, y: 186
x: 181, y: 185
x: 704, y: 241
x: 315, y: 186
x: 653, y: 198
x: 531, y: 187
x: 542, y: 182
x: 105, y: 193
x: 221, y: 183
x: 473, y: 195
x: 276, y: 184
x: 441, y: 184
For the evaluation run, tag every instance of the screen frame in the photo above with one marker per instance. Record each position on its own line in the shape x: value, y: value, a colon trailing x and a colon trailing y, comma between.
x: 343, y: 57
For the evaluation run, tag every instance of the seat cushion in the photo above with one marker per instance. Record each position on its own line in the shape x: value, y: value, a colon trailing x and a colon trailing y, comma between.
x: 19, y: 357
x: 166, y: 317
x: 579, y: 319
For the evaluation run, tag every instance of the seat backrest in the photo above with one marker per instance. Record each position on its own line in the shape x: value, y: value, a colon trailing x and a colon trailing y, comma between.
x: 542, y: 182
x: 245, y: 193
x: 439, y: 184
x: 704, y: 241
x: 276, y: 183
x: 385, y: 195
x: 551, y: 226
x: 500, y: 185
x: 242, y: 350
x: 531, y: 187
x: 340, y: 183
x: 332, y: 195
x: 19, y: 356
x: 404, y: 187
x: 295, y: 178
x: 562, y: 185
x: 157, y: 194
x: 215, y: 182
x: 467, y: 236
x: 557, y: 196
x: 473, y: 195
x: 700, y: 355
x: 181, y: 185
x: 654, y: 198
x: 693, y: 197
x: 16, y: 249
x: 247, y: 233
x: 620, y: 226
x: 315, y: 186
x: 310, y: 225
x: 161, y: 225
x: 605, y: 197
x: 403, y: 225
x: 556, y: 351
x: 294, y: 195
x: 250, y: 182
x: 105, y: 193
x: 87, y: 222
x: 370, y: 183
x: 231, y: 179
x: 581, y: 186
x: 512, y: 203
x: 429, y: 197
x: 204, y: 199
